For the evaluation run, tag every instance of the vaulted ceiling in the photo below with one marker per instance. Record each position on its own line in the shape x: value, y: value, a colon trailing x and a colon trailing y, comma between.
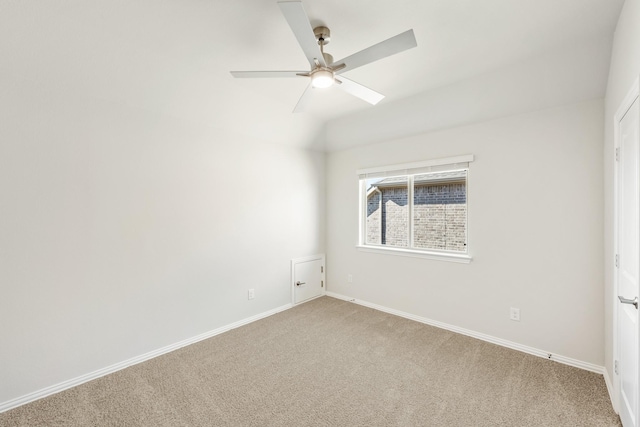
x: 174, y: 57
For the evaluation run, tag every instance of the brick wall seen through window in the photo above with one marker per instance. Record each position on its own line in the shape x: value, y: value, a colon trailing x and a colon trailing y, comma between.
x: 438, y: 211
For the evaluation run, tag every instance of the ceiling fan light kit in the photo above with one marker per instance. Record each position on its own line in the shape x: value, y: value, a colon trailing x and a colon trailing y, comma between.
x: 322, y: 78
x: 323, y: 70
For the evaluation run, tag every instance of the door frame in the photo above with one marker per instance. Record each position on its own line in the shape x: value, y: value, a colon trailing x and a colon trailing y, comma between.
x: 295, y: 261
x: 629, y: 99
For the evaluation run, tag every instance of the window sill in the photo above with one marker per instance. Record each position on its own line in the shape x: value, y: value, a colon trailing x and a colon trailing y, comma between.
x: 440, y: 256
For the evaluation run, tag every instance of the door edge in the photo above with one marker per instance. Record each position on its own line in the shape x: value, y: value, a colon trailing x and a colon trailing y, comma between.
x: 623, y: 108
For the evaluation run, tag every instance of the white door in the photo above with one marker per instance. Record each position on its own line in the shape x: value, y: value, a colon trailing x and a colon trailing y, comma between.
x: 628, y: 260
x: 308, y: 278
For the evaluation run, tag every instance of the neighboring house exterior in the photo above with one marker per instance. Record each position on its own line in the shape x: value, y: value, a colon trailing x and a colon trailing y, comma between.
x: 439, y: 212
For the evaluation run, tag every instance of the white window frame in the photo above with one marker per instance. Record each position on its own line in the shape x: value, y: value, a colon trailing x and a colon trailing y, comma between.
x: 409, y: 170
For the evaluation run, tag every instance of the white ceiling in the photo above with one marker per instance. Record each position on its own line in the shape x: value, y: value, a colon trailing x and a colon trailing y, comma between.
x: 174, y: 57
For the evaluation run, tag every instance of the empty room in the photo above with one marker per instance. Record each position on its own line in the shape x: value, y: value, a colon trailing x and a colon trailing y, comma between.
x: 319, y: 213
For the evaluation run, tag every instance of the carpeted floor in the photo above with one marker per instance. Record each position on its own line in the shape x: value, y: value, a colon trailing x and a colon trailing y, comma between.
x: 333, y: 363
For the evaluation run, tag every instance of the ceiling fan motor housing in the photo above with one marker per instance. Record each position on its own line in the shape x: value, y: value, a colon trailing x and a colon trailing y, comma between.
x: 323, y: 35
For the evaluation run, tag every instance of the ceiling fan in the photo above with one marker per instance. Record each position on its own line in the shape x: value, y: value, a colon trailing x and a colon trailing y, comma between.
x: 324, y: 70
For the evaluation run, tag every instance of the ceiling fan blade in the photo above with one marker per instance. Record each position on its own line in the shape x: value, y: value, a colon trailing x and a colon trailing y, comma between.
x: 396, y: 44
x: 298, y: 20
x: 265, y: 74
x: 303, y: 102
x: 362, y: 92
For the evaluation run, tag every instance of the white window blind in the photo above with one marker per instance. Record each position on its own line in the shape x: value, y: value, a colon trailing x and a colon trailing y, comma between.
x: 436, y: 165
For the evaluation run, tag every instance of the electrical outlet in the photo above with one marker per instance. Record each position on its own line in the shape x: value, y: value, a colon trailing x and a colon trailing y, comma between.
x: 251, y: 293
x: 514, y: 314
x: 350, y: 278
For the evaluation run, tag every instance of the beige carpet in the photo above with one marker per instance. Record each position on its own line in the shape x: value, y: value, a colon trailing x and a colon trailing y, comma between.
x: 333, y: 363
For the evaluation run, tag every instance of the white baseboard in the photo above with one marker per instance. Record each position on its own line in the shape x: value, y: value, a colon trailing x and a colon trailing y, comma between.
x: 610, y: 389
x: 499, y: 341
x: 47, y: 391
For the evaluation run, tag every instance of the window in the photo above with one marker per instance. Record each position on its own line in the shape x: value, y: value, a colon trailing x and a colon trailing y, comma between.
x: 416, y: 209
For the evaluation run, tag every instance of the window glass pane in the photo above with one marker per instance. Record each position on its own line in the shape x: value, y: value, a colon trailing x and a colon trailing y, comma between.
x: 440, y: 211
x: 387, y: 213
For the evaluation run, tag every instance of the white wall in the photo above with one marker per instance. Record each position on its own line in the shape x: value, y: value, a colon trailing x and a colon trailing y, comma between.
x: 124, y: 231
x: 535, y: 221
x: 625, y: 68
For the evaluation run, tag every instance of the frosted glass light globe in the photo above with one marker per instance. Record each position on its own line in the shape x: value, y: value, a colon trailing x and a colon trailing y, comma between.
x: 322, y: 79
